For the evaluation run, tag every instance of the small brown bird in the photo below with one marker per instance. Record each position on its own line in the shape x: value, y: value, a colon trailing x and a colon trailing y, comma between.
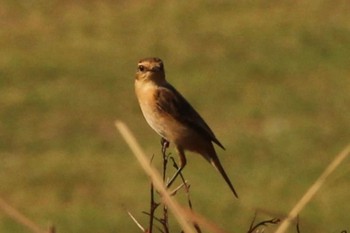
x: 173, y: 118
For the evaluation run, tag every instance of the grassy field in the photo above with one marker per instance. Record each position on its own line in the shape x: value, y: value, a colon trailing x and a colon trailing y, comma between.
x: 272, y: 79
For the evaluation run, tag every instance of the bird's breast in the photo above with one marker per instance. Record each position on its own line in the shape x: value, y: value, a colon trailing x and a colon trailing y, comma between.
x: 148, y: 104
x: 166, y: 125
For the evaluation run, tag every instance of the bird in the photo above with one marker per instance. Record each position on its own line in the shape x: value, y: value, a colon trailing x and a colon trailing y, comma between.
x: 173, y: 117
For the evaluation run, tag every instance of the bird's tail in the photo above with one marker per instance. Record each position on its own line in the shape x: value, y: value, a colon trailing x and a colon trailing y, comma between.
x: 214, y: 160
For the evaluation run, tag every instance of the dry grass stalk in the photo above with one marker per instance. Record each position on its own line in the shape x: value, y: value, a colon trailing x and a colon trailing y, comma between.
x: 136, y: 222
x: 313, y: 190
x: 178, y: 212
x: 19, y: 217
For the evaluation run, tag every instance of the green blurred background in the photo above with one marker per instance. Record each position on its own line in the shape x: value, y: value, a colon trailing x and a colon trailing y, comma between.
x: 271, y: 78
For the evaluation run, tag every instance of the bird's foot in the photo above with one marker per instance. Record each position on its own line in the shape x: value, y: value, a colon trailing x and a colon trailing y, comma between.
x: 165, y: 144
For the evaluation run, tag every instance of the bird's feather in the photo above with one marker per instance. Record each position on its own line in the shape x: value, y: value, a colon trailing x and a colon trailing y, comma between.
x: 169, y: 100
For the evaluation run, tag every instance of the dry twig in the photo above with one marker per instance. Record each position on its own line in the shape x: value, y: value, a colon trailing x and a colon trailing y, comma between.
x: 20, y: 218
x: 313, y: 189
x: 177, y: 210
x: 253, y: 227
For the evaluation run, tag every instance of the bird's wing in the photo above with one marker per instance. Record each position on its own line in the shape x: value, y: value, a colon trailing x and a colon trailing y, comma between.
x: 172, y: 102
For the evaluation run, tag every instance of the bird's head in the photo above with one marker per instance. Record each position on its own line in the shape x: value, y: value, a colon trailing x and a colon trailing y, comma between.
x: 150, y: 69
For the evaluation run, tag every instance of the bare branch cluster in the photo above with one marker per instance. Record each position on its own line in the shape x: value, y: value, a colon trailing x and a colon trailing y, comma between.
x: 194, y: 218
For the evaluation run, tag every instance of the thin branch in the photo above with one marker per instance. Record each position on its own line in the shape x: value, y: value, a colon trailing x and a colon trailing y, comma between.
x: 165, y: 219
x: 298, y: 228
x: 155, y: 218
x: 184, y: 183
x: 187, y: 191
x: 136, y: 222
x: 252, y: 223
x: 262, y: 223
x: 173, y: 192
x: 155, y: 177
x: 153, y: 205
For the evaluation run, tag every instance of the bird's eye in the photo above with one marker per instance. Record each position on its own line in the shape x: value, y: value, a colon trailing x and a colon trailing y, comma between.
x: 141, y: 68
